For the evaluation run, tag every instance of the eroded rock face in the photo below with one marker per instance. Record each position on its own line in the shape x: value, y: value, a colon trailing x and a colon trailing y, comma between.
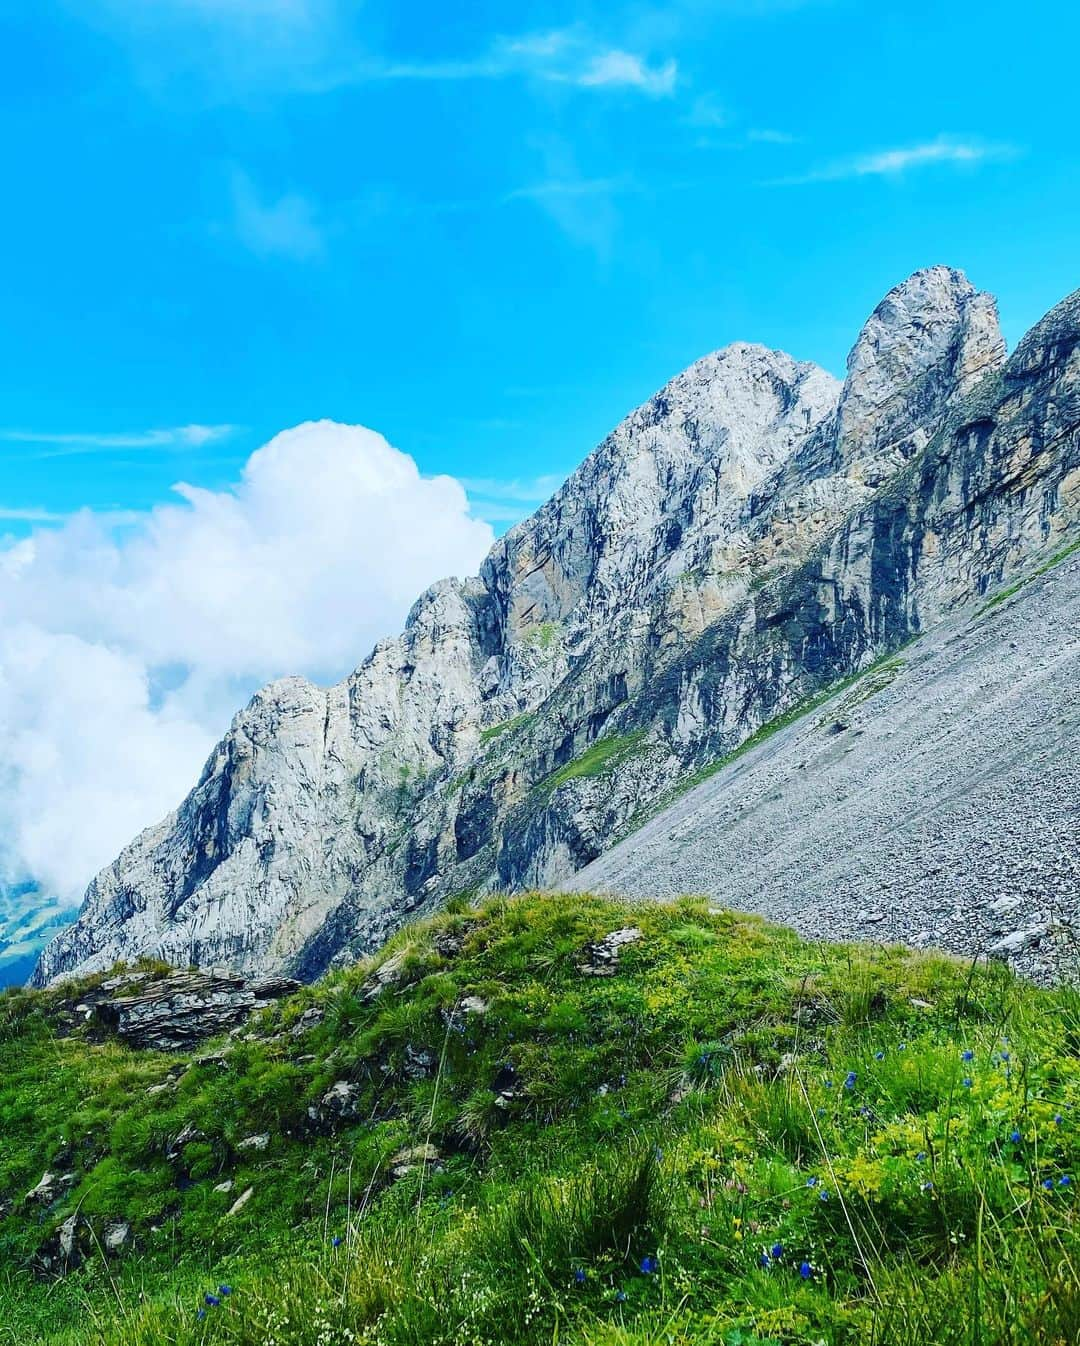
x: 752, y: 532
x: 178, y: 1010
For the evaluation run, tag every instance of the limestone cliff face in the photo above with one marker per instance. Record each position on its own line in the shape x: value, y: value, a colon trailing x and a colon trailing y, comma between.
x: 752, y: 532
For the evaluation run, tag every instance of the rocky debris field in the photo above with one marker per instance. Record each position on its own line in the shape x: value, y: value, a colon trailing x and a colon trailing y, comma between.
x: 935, y: 801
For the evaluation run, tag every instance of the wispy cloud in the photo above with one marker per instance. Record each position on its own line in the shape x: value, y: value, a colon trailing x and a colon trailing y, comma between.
x: 556, y: 188
x: 896, y: 162
x: 498, y: 501
x: 12, y: 514
x: 708, y: 112
x: 287, y: 226
x: 62, y: 443
x: 526, y: 490
x: 562, y: 56
x: 612, y: 69
x: 764, y: 135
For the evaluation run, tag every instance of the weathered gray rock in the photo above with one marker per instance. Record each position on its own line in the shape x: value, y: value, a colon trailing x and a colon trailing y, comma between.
x: 240, y: 1202
x: 178, y: 1010
x: 415, y: 1156
x: 66, y: 1236
x: 750, y: 534
x: 602, y: 958
x: 340, y: 1103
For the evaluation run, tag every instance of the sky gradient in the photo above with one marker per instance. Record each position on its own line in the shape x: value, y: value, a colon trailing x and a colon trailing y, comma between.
x: 486, y: 234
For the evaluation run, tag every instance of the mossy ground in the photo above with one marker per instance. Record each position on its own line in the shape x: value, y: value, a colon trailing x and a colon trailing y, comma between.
x: 738, y: 1137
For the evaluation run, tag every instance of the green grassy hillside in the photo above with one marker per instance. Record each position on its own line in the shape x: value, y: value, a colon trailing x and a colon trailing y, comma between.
x: 504, y: 1130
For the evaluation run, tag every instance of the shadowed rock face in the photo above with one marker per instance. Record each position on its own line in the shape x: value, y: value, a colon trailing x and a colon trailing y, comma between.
x: 751, y: 533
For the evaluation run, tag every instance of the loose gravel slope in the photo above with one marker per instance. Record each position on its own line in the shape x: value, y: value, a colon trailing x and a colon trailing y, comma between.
x: 936, y: 802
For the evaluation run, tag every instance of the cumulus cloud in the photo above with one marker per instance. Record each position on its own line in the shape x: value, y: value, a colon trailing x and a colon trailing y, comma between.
x: 124, y: 652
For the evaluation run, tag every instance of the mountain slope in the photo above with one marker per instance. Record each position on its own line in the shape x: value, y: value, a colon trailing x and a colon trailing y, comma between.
x: 751, y: 534
x: 956, y: 758
x: 553, y: 1118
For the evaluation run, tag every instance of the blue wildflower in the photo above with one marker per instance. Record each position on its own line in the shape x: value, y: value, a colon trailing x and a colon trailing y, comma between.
x: 620, y: 1296
x: 901, y: 1046
x: 212, y: 1301
x: 805, y: 1270
x: 224, y: 1291
x: 926, y: 1187
x: 648, y: 1266
x: 920, y: 1157
x: 763, y: 1260
x: 1004, y: 1055
x: 966, y: 1082
x: 967, y: 1056
x: 823, y: 1195
x: 777, y: 1250
x: 828, y: 1084
x: 1057, y: 1119
x: 1064, y: 1180
x: 201, y: 1314
x: 579, y: 1276
x: 336, y: 1241
x: 811, y: 1182
x: 1016, y: 1137
x: 879, y: 1056
x: 1048, y: 1183
x: 849, y: 1080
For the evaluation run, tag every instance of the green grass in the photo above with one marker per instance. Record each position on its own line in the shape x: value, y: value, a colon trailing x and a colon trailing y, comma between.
x: 1004, y: 594
x: 545, y: 636
x: 494, y: 730
x: 615, y: 1154
x: 599, y: 758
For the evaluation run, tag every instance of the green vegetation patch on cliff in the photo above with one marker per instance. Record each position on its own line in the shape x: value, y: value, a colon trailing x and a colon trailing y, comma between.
x: 1012, y: 589
x: 561, y: 1119
x: 599, y: 758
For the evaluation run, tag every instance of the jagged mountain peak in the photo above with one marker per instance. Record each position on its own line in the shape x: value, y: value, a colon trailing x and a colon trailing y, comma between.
x: 930, y: 340
x: 726, y: 549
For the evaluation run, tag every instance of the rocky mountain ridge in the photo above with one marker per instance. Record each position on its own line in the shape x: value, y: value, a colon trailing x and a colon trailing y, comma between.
x: 752, y: 533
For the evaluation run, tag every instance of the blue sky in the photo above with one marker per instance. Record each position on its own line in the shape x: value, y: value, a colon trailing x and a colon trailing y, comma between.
x: 486, y: 230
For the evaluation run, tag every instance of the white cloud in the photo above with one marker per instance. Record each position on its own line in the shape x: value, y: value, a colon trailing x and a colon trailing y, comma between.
x: 123, y: 656
x: 563, y: 56
x: 14, y: 514
x: 616, y: 68
x: 176, y: 437
x: 285, y: 227
x: 896, y: 162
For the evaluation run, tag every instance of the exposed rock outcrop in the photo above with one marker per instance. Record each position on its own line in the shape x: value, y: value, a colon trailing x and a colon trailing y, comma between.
x: 166, y: 1013
x: 751, y: 533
